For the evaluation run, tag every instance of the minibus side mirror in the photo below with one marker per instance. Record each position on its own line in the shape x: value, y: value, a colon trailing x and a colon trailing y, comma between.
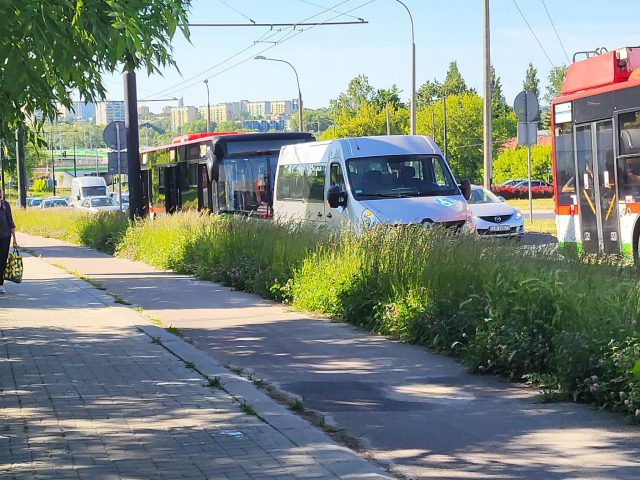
x: 335, y: 197
x: 465, y: 188
x: 78, y: 197
x: 502, y: 199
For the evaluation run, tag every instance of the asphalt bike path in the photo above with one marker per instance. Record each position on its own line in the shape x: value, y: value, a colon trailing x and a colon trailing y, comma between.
x: 89, y: 389
x: 417, y: 412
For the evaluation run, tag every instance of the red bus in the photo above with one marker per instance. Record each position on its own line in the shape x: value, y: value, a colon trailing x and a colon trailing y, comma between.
x: 595, y: 124
x: 226, y: 172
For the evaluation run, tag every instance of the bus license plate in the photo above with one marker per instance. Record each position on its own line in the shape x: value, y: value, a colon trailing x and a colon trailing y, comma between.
x: 500, y: 228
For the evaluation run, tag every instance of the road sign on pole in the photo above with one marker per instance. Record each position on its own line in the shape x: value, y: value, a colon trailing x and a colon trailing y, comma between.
x: 115, y: 138
x: 526, y: 109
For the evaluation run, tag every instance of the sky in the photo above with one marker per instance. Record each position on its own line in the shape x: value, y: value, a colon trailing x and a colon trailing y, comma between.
x: 328, y: 57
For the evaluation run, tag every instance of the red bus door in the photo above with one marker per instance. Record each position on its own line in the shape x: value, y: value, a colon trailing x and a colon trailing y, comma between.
x: 596, y: 181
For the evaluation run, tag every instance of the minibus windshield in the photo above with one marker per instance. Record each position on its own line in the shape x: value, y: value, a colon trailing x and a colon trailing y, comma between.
x: 400, y: 176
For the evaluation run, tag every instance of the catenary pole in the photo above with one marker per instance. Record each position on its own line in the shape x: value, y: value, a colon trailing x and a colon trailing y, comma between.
x: 487, y: 98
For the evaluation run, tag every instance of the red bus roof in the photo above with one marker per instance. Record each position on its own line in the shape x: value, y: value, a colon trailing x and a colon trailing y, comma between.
x: 600, y: 74
x: 187, y: 139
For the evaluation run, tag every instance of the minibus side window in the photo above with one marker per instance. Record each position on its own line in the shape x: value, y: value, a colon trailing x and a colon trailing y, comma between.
x: 438, y: 173
x: 337, y: 177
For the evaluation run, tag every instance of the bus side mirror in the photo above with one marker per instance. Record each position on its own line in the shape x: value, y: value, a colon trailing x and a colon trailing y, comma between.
x: 335, y: 197
x: 213, y: 166
x: 465, y: 188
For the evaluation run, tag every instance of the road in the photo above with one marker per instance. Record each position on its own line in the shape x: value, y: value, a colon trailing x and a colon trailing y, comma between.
x: 420, y: 413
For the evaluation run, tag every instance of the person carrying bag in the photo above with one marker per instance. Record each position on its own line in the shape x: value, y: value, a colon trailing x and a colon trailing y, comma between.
x: 7, y: 232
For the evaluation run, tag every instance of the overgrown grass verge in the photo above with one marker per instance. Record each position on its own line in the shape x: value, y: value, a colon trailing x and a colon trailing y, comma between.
x: 569, y: 325
x: 101, y: 231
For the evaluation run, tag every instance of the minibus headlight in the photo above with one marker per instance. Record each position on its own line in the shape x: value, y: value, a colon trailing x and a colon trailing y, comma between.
x: 518, y: 214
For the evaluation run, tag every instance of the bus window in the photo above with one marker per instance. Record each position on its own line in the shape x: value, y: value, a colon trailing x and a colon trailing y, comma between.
x: 565, y: 166
x: 629, y: 159
x: 238, y: 185
x: 188, y: 180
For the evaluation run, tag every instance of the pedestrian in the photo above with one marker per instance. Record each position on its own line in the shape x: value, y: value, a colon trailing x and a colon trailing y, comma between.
x: 7, y: 231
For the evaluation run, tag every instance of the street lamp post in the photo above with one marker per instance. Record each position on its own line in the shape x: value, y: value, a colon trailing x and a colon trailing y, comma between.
x: 300, y: 125
x: 206, y: 83
x: 413, y: 71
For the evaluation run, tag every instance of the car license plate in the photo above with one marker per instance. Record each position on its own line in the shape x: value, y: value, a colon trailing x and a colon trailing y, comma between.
x: 500, y: 228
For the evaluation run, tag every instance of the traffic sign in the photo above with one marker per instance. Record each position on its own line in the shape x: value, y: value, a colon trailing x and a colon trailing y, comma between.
x: 526, y: 107
x: 115, y: 135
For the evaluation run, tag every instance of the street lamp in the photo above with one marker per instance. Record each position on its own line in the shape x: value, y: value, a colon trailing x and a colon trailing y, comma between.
x: 206, y: 83
x: 413, y: 71
x: 300, y: 125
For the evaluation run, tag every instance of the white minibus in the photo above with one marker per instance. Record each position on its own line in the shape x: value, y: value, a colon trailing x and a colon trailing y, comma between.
x: 401, y: 179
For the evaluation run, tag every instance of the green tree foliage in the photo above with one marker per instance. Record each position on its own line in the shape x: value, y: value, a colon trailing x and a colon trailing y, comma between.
x: 512, y: 163
x: 196, y: 126
x: 427, y: 92
x: 228, y: 126
x: 531, y: 82
x: 497, y: 97
x: 50, y: 48
x: 454, y: 84
x: 464, y: 131
x: 315, y: 120
x: 359, y: 92
x: 556, y: 79
x: 368, y: 120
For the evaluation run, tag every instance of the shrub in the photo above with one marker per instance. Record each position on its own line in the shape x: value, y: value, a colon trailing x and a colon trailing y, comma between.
x: 510, y: 193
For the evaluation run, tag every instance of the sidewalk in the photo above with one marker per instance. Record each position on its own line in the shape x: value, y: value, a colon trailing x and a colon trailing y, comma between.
x: 420, y: 413
x: 86, y: 394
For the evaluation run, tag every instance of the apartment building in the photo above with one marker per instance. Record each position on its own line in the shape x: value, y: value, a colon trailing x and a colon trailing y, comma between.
x: 182, y: 115
x: 107, y: 112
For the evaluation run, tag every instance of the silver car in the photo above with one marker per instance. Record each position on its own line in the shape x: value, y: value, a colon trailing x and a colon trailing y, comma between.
x: 494, y: 217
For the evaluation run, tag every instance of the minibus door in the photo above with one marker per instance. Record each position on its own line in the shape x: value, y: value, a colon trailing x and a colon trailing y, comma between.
x: 336, y: 216
x: 596, y: 181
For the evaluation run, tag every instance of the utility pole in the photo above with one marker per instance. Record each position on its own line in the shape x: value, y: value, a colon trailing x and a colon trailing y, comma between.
x: 488, y: 147
x: 388, y: 120
x: 444, y: 125
x: 137, y: 209
x: 75, y: 165
x: 22, y: 169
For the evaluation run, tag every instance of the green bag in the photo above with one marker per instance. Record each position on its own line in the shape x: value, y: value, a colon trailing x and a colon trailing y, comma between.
x: 14, y: 269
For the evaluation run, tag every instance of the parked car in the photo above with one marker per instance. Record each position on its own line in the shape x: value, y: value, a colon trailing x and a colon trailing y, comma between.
x: 534, y: 184
x: 125, y: 199
x: 54, y: 202
x: 493, y: 217
x: 511, y: 182
x: 96, y: 204
x: 34, y: 202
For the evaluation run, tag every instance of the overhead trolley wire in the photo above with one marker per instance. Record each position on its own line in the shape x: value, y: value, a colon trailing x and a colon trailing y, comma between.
x: 533, y: 33
x: 288, y: 34
x: 556, y: 31
x: 335, y: 11
x: 236, y: 10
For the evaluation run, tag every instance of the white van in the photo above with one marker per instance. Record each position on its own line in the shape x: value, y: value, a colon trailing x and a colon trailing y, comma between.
x: 83, y: 187
x: 399, y: 179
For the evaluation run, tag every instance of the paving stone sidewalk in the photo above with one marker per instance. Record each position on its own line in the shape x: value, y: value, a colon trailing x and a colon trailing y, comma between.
x: 84, y: 393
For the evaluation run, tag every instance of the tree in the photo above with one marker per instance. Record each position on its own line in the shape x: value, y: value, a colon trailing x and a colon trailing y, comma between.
x: 359, y: 91
x: 314, y: 120
x: 387, y: 96
x: 454, y: 84
x: 497, y: 97
x: 427, y: 92
x: 228, y: 126
x: 531, y: 82
x: 512, y: 163
x: 556, y: 79
x: 196, y: 126
x: 51, y: 48
x: 367, y: 121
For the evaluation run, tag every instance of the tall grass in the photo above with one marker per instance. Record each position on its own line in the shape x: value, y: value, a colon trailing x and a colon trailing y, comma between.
x: 568, y: 324
x: 101, y: 231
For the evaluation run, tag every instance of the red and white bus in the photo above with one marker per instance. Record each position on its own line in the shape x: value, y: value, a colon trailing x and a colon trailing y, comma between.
x: 596, y: 154
x: 226, y: 172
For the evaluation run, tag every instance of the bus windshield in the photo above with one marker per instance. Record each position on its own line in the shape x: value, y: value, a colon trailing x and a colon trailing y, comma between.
x: 400, y: 176
x: 245, y: 183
